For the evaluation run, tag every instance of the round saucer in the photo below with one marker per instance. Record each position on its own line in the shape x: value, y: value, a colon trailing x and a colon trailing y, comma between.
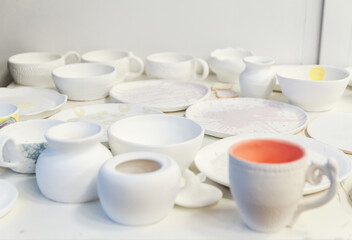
x: 8, y: 197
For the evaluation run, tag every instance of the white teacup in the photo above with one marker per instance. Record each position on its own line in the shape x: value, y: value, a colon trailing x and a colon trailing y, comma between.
x: 21, y: 144
x: 176, y: 66
x: 267, y: 178
x: 122, y: 61
x: 34, y: 68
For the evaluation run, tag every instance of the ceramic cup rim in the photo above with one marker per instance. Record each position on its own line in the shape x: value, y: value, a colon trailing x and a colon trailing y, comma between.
x: 13, y: 107
x: 89, y: 56
x: 153, y: 58
x: 282, y: 74
x: 162, y: 159
x: 280, y: 167
x: 215, y: 53
x: 16, y: 59
x: 199, y: 134
x: 51, y: 132
x: 59, y: 74
x: 259, y: 60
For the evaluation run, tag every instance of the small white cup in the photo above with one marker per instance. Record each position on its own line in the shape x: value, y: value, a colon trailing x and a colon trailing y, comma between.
x: 34, y: 68
x: 122, y: 61
x: 267, y: 178
x: 138, y: 188
x: 176, y: 66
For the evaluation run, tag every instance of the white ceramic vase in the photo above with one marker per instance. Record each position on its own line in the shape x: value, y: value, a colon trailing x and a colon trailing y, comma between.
x: 67, y: 170
x: 138, y: 188
x: 258, y: 78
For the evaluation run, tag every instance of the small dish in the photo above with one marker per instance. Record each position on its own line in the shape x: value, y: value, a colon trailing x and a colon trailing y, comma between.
x: 213, y: 158
x: 163, y: 95
x: 103, y: 114
x: 333, y: 129
x: 313, y: 95
x: 33, y: 103
x: 8, y: 197
x: 84, y: 81
x: 234, y: 116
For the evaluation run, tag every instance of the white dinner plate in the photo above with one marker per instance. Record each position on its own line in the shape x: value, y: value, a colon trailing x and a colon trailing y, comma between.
x: 8, y: 197
x: 33, y: 103
x: 333, y: 129
x: 164, y: 95
x: 212, y: 160
x: 103, y: 114
x: 234, y: 116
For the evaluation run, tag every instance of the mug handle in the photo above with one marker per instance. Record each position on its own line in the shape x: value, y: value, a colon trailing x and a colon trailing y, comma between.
x: 205, y: 69
x: 329, y: 169
x: 140, y: 62
x: 70, y: 54
x: 3, y: 163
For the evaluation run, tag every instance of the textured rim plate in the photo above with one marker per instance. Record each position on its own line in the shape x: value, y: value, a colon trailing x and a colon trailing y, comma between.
x: 333, y: 129
x: 212, y: 160
x: 33, y: 103
x: 164, y: 95
x: 103, y: 114
x: 227, y: 117
x: 8, y: 197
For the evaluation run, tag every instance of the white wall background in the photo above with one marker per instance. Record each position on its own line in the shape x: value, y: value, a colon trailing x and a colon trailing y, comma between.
x: 286, y: 30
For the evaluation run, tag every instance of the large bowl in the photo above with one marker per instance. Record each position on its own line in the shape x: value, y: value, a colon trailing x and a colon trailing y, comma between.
x: 178, y: 137
x: 84, y: 81
x: 311, y: 95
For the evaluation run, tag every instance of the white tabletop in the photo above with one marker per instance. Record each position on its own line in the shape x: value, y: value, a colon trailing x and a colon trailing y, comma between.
x: 35, y: 217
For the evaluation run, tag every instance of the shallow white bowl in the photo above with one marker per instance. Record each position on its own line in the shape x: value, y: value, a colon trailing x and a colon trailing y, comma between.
x: 84, y: 81
x: 311, y: 95
x: 178, y: 137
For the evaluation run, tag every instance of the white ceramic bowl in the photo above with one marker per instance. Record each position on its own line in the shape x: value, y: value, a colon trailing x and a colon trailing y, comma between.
x: 178, y: 137
x: 34, y: 68
x: 311, y: 95
x: 84, y: 81
x: 227, y: 63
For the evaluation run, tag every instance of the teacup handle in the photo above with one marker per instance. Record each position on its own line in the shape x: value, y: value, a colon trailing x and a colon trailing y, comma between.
x: 330, y: 169
x: 3, y: 141
x: 205, y: 69
x: 140, y: 62
x: 71, y: 54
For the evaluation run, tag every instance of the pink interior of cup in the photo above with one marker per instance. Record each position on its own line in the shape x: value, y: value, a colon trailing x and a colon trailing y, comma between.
x: 267, y: 151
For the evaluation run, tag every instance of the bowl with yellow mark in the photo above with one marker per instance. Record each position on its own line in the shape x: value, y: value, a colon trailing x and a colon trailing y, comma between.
x: 313, y: 87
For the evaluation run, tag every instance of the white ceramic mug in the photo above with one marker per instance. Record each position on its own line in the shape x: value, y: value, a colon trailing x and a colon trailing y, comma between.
x: 267, y: 178
x: 21, y: 144
x: 122, y: 61
x: 176, y: 66
x: 34, y: 68
x: 8, y: 114
x: 138, y: 188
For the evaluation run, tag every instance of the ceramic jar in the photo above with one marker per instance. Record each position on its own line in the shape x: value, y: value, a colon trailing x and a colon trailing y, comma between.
x: 67, y: 170
x: 258, y: 78
x: 138, y: 188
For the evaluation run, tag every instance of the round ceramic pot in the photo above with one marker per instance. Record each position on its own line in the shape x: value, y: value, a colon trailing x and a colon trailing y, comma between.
x: 67, y: 170
x: 138, y: 188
